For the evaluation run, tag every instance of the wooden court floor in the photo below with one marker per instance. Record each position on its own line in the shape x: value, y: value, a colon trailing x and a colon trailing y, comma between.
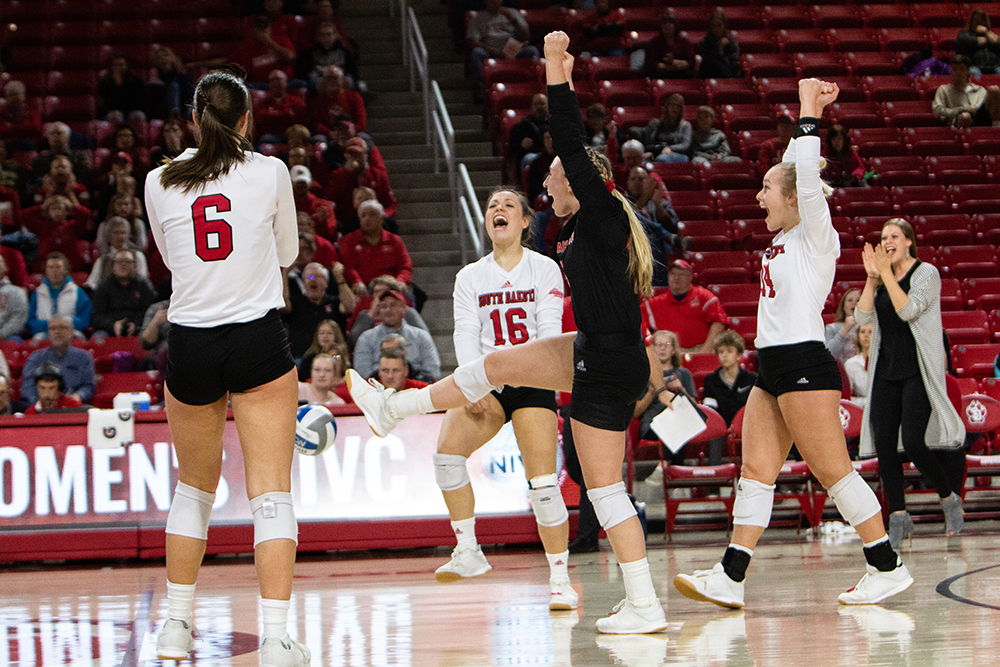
x: 385, y: 608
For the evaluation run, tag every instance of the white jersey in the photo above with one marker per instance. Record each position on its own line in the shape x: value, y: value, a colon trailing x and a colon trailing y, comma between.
x: 225, y: 240
x: 796, y: 273
x: 496, y: 309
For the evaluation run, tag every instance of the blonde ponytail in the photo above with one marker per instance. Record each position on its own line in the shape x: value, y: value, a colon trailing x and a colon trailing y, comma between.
x: 640, y: 255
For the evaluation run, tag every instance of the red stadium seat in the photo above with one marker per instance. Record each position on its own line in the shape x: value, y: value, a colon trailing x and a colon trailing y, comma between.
x: 676, y: 175
x: 968, y: 261
x: 110, y: 385
x: 955, y: 170
x: 72, y: 83
x: 910, y: 200
x: 751, y: 235
x: 899, y: 170
x: 722, y: 267
x: 856, y: 114
x: 70, y: 33
x: 731, y: 91
x: 739, y: 204
x: 690, y: 18
x: 691, y: 89
x: 755, y: 41
x: 982, y: 140
x: 862, y: 201
x: 779, y: 91
x: 616, y: 67
x: 513, y: 70
x: 903, y: 39
x: 868, y: 228
x: 966, y: 327
x: 824, y: 64
x: 885, y: 88
x: 744, y: 17
x: 927, y: 85
x: 851, y: 90
x: 739, y: 117
x: 830, y: 17
x: 886, y: 16
x: 29, y: 59
x: 626, y: 117
x: 629, y: 92
x: 217, y: 29
x: 872, y: 63
x: 928, y: 141
x: 910, y: 114
x: 845, y: 40
x: 987, y: 228
x: 951, y: 294
x: 981, y: 293
x: 738, y: 300
x: 36, y: 84
x: 939, y: 230
x: 729, y: 176
x: 938, y: 14
x: 706, y: 235
x: 750, y: 141
x: 78, y: 57
x: 778, y: 17
x: 768, y: 65
x: 973, y: 199
x: 878, y: 142
x: 70, y: 108
x: 694, y: 205
x: 974, y: 360
x: 746, y: 326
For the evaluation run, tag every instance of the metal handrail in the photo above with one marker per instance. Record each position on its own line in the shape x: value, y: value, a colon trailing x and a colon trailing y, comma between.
x: 472, y: 215
x: 415, y: 60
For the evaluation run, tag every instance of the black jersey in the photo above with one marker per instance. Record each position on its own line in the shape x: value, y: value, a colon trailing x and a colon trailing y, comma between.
x: 593, y: 245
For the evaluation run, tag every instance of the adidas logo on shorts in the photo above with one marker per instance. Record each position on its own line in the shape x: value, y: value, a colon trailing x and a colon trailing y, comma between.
x: 802, y: 381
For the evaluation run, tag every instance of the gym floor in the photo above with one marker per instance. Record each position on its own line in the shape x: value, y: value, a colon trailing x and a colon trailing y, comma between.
x: 384, y: 608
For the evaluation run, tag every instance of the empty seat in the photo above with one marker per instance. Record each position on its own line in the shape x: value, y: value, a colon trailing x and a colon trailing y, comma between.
x: 69, y: 33
x: 856, y: 114
x: 836, y: 17
x: 965, y: 327
x: 928, y: 141
x: 955, y: 169
x: 731, y: 91
x: 739, y: 117
x: 706, y: 235
x: 910, y: 200
x: 903, y: 39
x: 691, y: 89
x: 72, y: 83
x: 899, y: 170
x: 878, y: 141
x: 691, y: 18
x: 694, y: 205
x: 738, y: 299
x: 629, y: 92
x: 722, y: 267
x: 69, y: 108
x: 937, y: 14
x: 745, y: 326
x: 910, y: 114
x: 780, y: 17
x: 973, y: 199
x: 951, y: 294
x: 851, y: 90
x: 868, y: 228
x: 616, y: 67
x: 510, y: 71
x: 75, y: 57
x: 974, y: 360
x: 676, y: 175
x: 824, y: 64
x: 987, y: 227
x: 755, y: 41
x: 845, y: 40
x: 626, y: 117
x: 968, y: 261
x: 739, y: 204
x: 940, y: 230
x: 729, y: 175
x: 779, y: 91
x: 745, y: 17
x: 802, y: 40
x: 749, y: 142
x: 751, y: 235
x: 981, y: 293
x: 768, y: 65
x: 854, y: 202
x: 886, y: 16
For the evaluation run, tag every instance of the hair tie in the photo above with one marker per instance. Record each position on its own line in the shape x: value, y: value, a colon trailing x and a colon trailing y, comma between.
x: 610, y: 185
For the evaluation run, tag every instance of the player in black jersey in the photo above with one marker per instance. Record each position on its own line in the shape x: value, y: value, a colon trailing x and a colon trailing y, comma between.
x: 607, y: 259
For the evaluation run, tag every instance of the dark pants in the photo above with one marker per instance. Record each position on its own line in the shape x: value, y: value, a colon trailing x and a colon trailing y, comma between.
x: 897, y: 405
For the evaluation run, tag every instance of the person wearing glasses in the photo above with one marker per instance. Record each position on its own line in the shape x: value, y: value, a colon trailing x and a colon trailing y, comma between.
x: 121, y: 300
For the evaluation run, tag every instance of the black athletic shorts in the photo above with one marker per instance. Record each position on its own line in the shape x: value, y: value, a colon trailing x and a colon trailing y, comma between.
x: 607, y: 381
x: 515, y: 398
x: 805, y: 366
x: 203, y: 364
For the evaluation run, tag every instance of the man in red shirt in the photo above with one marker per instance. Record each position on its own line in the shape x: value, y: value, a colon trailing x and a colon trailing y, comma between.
x: 691, y: 312
x: 371, y: 251
x: 277, y: 111
x: 320, y: 210
x: 357, y: 172
x: 335, y: 102
x: 50, y: 385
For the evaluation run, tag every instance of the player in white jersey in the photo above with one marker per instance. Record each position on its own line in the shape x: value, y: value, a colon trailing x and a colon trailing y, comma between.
x: 223, y: 219
x: 508, y: 297
x: 797, y: 395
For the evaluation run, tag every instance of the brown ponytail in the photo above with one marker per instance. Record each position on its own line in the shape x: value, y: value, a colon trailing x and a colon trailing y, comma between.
x: 220, y: 101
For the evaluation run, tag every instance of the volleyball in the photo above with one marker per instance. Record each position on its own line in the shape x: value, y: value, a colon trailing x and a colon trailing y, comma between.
x: 315, y: 430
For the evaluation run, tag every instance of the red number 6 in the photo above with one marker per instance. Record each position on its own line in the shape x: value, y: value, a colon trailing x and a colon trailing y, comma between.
x: 213, y: 239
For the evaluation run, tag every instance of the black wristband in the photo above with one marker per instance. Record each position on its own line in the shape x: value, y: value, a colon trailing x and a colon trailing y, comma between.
x: 660, y: 391
x: 808, y: 127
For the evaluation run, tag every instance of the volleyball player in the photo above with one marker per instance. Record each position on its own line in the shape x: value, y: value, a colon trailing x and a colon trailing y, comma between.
x: 508, y: 297
x: 797, y: 395
x: 607, y: 259
x: 223, y: 218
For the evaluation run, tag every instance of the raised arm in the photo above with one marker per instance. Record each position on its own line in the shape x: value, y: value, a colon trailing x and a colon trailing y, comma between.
x: 804, y: 150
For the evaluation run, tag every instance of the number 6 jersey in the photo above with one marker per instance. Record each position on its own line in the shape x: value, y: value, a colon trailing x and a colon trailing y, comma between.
x: 225, y: 240
x: 495, y: 309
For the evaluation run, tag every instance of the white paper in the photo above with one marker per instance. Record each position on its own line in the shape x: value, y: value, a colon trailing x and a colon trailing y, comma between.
x: 675, y: 427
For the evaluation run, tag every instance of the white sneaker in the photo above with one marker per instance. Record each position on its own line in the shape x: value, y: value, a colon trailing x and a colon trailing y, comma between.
x: 284, y: 652
x: 175, y: 641
x: 564, y: 596
x: 876, y: 586
x: 713, y: 586
x: 627, y: 619
x: 371, y: 397
x: 464, y: 564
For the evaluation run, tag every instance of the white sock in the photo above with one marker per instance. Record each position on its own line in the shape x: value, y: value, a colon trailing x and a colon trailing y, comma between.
x: 869, y: 545
x: 465, y: 533
x: 741, y: 548
x: 275, y: 614
x: 411, y: 402
x: 558, y: 565
x: 638, y: 583
x: 180, y: 601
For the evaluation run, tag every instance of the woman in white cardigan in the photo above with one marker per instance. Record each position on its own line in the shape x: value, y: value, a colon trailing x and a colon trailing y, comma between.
x: 907, y: 398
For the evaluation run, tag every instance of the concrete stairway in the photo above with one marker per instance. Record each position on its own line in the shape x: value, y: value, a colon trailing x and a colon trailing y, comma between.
x: 396, y: 123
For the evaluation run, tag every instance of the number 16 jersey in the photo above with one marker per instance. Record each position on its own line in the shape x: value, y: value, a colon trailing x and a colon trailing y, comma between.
x: 495, y: 309
x: 225, y: 241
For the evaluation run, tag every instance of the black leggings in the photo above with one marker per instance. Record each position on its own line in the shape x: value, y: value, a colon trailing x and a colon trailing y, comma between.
x: 904, y: 403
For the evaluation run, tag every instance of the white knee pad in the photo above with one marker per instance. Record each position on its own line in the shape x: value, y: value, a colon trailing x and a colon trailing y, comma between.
x: 547, y: 501
x: 611, y: 504
x: 450, y: 471
x: 753, y: 503
x: 855, y: 499
x: 471, y: 379
x: 273, y: 518
x: 190, y: 512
